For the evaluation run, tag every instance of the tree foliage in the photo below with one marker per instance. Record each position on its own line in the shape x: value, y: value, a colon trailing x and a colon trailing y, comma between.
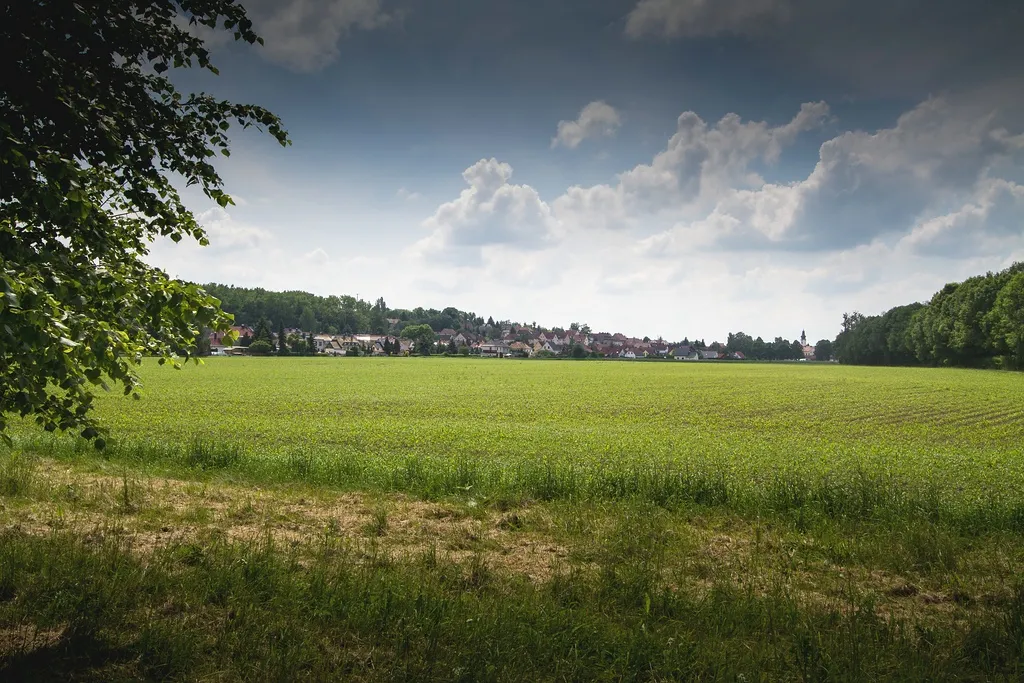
x: 335, y: 314
x: 261, y: 347
x: 262, y: 332
x: 422, y: 336
x: 282, y: 341
x: 823, y: 350
x: 975, y: 323
x: 91, y: 132
x: 759, y: 349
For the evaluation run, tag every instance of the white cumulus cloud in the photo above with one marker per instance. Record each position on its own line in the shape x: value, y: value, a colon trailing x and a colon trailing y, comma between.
x: 490, y: 212
x: 699, y: 164
x: 931, y: 174
x: 597, y: 119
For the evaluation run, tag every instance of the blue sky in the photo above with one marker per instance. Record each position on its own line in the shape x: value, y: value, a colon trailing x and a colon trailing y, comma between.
x: 661, y: 167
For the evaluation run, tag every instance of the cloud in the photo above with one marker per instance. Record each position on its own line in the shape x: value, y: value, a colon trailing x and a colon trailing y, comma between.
x: 700, y: 159
x: 317, y: 257
x: 700, y: 163
x: 491, y: 211
x: 597, y: 119
x: 693, y: 18
x: 984, y: 224
x: 867, y: 185
x: 407, y: 195
x: 304, y: 34
x: 874, y: 47
x: 224, y: 232
x: 930, y: 174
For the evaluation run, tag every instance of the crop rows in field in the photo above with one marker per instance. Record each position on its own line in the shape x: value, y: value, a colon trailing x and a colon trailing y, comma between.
x: 867, y: 440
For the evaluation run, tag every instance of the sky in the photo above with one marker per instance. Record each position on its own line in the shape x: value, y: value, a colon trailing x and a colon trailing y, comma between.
x: 654, y: 167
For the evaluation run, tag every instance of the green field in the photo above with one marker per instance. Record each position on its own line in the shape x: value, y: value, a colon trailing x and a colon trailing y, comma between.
x: 468, y: 519
x: 757, y: 437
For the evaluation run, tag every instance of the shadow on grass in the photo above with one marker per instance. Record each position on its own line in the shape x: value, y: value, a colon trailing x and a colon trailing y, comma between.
x: 72, y: 659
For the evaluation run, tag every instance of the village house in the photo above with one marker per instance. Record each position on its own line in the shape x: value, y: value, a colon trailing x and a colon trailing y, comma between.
x: 494, y: 349
x: 684, y: 352
x: 520, y: 349
x: 554, y: 347
x: 346, y: 343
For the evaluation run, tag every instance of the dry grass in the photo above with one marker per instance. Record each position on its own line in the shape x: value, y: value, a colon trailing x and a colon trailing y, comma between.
x: 697, y: 553
x: 160, y: 511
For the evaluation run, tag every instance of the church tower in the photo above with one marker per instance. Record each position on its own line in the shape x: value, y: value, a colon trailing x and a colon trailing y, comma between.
x: 803, y: 337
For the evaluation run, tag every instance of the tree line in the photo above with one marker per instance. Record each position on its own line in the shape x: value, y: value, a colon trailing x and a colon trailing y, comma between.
x: 976, y: 323
x: 340, y: 314
x: 778, y: 349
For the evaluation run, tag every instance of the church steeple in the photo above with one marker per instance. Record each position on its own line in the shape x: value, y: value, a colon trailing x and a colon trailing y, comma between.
x: 803, y: 337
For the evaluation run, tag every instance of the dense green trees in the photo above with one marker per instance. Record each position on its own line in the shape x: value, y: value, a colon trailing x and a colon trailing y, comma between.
x: 758, y: 349
x: 261, y: 347
x: 974, y: 323
x: 823, y: 350
x: 307, y: 320
x: 1006, y: 320
x: 92, y: 132
x: 261, y: 332
x: 282, y: 341
x: 334, y: 314
x: 422, y: 336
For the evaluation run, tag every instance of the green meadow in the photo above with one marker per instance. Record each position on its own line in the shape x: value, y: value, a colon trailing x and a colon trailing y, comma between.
x: 764, y: 438
x: 473, y: 519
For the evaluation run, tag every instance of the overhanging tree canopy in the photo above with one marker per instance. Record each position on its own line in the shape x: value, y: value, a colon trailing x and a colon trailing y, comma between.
x: 91, y: 134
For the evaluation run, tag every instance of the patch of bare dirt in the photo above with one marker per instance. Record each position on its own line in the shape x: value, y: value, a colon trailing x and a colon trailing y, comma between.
x: 26, y: 638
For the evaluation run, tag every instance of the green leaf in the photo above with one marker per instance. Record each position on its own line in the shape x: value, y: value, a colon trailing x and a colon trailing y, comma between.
x: 88, y: 306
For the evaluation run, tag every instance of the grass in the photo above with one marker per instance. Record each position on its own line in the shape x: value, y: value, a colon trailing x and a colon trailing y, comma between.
x: 448, y: 519
x: 284, y: 583
x: 804, y: 441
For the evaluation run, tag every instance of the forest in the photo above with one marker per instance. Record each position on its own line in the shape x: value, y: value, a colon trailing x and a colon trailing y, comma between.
x: 334, y: 314
x: 976, y: 323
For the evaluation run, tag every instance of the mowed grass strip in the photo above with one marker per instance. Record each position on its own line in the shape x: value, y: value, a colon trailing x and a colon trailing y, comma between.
x: 120, y: 575
x: 805, y: 440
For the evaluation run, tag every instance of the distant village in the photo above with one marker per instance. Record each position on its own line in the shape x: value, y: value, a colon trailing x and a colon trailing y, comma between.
x: 509, y: 342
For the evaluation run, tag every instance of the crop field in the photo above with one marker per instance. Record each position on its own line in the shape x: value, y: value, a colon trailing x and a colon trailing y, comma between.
x: 754, y: 437
x: 469, y: 519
